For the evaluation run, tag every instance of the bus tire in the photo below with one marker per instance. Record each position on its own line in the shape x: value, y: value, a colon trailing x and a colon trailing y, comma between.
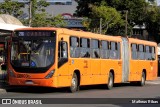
x: 110, y: 81
x: 74, y: 83
x: 143, y: 78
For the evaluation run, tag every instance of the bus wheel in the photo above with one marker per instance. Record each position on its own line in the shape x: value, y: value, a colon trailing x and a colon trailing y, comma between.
x: 110, y: 81
x: 142, y: 82
x: 74, y: 84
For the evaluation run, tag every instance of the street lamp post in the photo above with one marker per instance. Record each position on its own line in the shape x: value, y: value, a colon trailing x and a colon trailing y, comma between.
x: 126, y: 22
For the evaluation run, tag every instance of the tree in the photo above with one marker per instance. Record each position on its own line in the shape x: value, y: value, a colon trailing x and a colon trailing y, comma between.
x: 39, y: 17
x: 12, y: 8
x: 136, y: 9
x: 83, y: 9
x: 36, y: 8
x: 103, y: 18
x: 152, y: 22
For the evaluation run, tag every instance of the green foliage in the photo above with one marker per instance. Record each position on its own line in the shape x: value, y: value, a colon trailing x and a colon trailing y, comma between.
x: 136, y: 11
x: 40, y: 19
x: 152, y: 21
x: 109, y: 17
x: 57, y: 21
x: 38, y: 13
x: 12, y: 8
x: 38, y: 6
x: 33, y: 7
x: 43, y: 19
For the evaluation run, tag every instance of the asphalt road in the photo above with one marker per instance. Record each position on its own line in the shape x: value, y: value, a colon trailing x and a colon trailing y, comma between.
x: 123, y: 95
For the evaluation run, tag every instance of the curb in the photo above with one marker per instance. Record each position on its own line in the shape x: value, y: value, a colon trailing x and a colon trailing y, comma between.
x: 3, y: 86
x: 2, y: 91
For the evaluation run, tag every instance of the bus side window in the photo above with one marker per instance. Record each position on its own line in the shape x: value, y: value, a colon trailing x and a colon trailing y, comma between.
x: 104, y: 49
x: 147, y: 53
x: 134, y: 51
x: 113, y: 50
x: 141, y: 52
x: 119, y: 50
x: 85, y: 48
x: 64, y: 50
x: 95, y: 48
x: 62, y: 53
x: 153, y: 53
x: 74, y: 47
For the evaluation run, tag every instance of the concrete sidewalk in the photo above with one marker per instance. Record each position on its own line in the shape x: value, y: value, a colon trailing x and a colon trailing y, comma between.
x: 3, y: 86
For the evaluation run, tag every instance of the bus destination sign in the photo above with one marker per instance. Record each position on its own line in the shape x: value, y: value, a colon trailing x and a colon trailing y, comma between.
x: 36, y: 33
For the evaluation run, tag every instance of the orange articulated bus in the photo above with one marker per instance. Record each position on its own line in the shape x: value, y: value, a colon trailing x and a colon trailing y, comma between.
x: 58, y: 57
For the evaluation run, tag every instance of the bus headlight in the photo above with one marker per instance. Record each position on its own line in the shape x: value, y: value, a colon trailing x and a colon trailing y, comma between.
x: 11, y: 73
x: 50, y: 74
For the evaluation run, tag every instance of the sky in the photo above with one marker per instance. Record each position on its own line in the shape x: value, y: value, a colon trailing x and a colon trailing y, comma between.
x: 158, y: 2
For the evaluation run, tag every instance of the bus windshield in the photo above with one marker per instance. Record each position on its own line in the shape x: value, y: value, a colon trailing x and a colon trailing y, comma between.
x: 32, y: 53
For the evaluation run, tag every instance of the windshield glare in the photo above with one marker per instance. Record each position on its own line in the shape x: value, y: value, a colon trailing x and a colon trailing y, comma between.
x: 34, y: 53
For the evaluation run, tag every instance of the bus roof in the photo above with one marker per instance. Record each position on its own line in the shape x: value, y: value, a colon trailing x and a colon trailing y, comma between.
x: 38, y: 28
x: 88, y: 34
x: 73, y: 32
x: 134, y: 40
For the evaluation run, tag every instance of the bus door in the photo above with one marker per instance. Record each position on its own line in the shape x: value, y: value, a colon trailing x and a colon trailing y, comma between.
x: 142, y: 63
x: 86, y: 61
x: 134, y: 62
x: 5, y: 54
x: 153, y: 63
x: 63, y: 64
x: 125, y: 60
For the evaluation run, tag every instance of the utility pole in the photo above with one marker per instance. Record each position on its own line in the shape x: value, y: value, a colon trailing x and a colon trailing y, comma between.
x: 126, y: 21
x: 30, y: 12
x: 100, y: 26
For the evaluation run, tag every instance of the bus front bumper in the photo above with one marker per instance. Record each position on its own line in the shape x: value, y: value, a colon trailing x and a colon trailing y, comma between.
x: 33, y: 82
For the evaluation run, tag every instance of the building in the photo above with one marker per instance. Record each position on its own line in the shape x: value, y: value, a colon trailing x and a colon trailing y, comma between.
x: 8, y: 24
x: 64, y: 7
x: 67, y: 8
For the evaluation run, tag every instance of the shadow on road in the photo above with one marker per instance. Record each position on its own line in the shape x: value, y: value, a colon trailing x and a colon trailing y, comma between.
x: 33, y: 89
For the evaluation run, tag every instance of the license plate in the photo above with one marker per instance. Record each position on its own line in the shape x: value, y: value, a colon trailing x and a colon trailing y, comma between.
x: 29, y: 82
x: 25, y: 64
